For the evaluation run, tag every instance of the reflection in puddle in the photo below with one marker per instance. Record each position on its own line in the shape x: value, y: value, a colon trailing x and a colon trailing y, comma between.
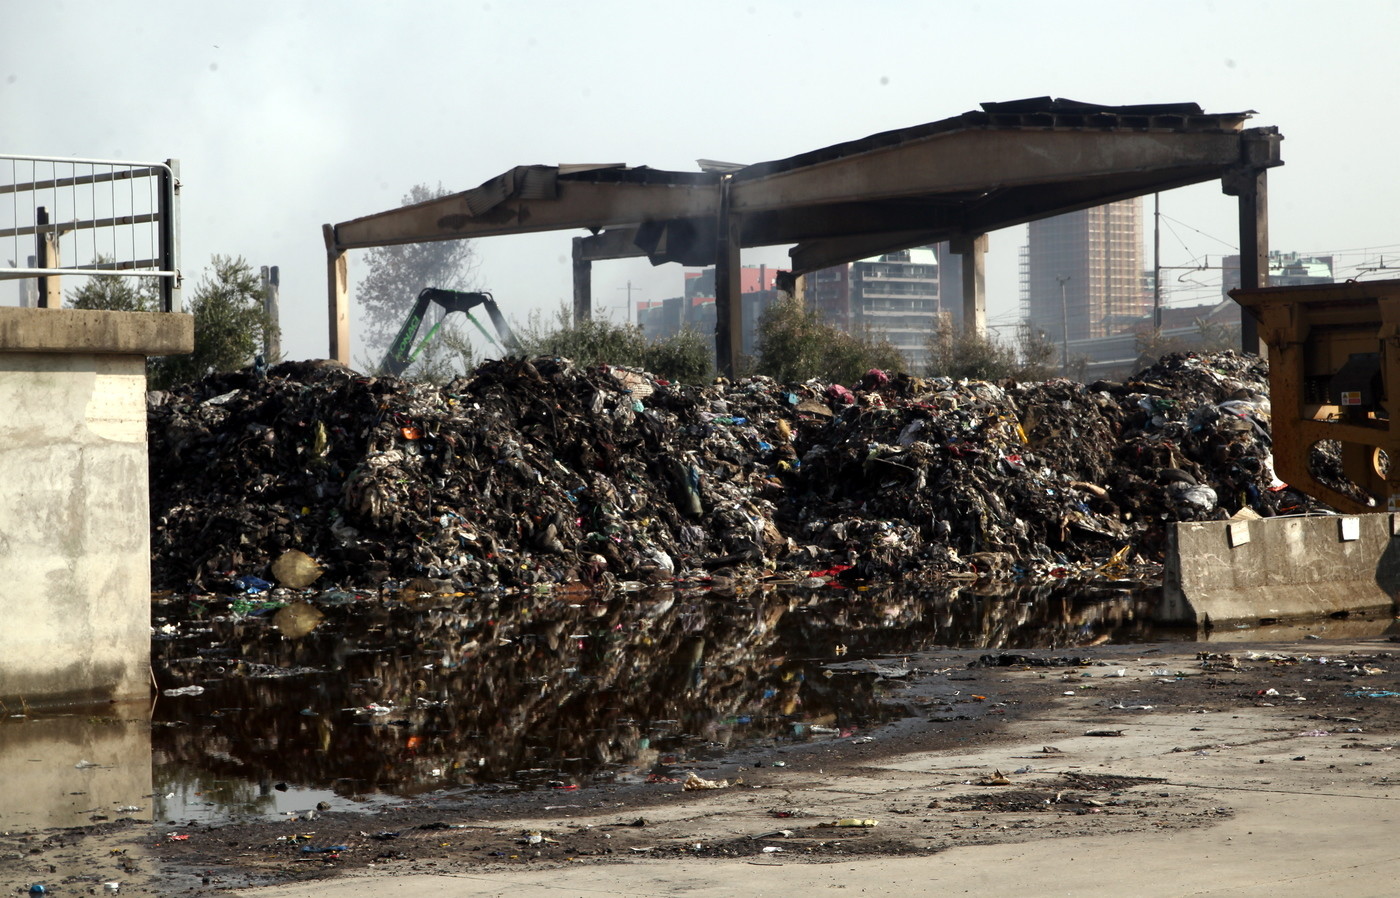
x: 85, y: 766
x: 386, y: 700
x: 403, y: 698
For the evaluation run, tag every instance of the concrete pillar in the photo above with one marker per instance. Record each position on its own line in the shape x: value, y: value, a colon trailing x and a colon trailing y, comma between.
x: 1251, y: 185
x: 973, y: 250
x: 29, y: 288
x: 337, y: 299
x: 729, y: 313
x: 583, y: 284
x: 272, y: 304
x: 74, y: 509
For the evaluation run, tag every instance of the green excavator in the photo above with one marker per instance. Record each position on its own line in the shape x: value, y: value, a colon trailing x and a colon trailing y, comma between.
x: 406, y: 346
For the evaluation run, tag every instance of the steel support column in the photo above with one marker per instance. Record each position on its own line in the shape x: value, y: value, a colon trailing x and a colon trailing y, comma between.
x: 171, y: 298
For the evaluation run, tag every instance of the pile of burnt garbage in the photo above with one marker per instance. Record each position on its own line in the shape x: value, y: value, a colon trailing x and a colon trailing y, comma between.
x: 528, y: 473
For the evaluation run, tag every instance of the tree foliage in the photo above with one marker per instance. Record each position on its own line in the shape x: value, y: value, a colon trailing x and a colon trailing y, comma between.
x: 684, y: 357
x: 114, y: 293
x: 960, y: 354
x: 795, y: 344
x: 396, y: 274
x: 229, y: 322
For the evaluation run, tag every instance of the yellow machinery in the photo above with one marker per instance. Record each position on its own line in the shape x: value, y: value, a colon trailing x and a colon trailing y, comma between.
x: 1334, y: 363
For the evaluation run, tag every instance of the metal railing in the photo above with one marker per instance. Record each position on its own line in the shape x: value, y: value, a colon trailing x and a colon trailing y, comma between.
x: 104, y: 217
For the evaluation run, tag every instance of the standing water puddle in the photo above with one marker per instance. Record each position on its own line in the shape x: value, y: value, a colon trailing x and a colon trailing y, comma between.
x: 369, y: 702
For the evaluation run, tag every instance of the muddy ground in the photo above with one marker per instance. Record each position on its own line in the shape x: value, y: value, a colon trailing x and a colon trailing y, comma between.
x: 997, y: 748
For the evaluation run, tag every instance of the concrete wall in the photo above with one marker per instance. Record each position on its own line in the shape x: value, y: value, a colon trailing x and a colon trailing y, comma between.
x: 74, y: 511
x: 1280, y: 569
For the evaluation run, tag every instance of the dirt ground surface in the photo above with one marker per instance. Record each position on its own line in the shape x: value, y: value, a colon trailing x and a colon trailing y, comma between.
x: 1180, y: 769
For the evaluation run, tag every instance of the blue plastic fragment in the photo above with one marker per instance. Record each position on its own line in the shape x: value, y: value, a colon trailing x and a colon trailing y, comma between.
x: 252, y: 585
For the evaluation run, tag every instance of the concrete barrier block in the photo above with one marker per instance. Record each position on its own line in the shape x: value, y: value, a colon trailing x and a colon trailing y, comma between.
x: 1280, y: 569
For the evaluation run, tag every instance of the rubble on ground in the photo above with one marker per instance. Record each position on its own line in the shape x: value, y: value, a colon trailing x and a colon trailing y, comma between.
x: 542, y: 472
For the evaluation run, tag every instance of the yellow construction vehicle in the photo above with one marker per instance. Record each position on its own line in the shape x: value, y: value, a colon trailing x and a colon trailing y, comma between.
x: 1334, y: 363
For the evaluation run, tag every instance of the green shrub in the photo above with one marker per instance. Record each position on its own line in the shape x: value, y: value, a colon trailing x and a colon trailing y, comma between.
x: 795, y: 344
x: 685, y: 357
x: 962, y: 354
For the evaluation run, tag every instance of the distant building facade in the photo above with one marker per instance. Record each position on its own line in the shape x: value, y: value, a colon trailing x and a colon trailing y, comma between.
x: 1194, y: 328
x: 695, y: 308
x: 1285, y: 270
x: 1083, y: 271
x: 895, y: 296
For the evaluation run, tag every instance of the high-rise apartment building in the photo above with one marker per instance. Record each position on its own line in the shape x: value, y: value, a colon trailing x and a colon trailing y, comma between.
x: 895, y: 296
x: 1083, y: 271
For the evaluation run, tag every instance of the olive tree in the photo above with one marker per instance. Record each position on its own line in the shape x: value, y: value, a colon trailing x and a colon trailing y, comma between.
x: 114, y: 293
x: 229, y: 323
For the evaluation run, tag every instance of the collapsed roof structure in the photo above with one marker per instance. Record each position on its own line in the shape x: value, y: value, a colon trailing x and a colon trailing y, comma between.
x: 956, y: 179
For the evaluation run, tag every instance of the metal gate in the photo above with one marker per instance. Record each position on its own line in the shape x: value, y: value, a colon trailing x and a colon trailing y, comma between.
x: 91, y: 218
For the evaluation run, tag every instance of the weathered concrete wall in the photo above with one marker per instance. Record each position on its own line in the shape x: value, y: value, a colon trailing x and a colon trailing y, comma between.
x: 1280, y: 568
x: 74, y: 515
x: 109, y: 333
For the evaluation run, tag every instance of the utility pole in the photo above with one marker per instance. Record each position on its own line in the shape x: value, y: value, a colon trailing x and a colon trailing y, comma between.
x: 629, y: 289
x: 1064, y: 325
x: 1156, y: 268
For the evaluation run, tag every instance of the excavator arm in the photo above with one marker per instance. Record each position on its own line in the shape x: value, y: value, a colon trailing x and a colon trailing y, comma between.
x: 406, y: 346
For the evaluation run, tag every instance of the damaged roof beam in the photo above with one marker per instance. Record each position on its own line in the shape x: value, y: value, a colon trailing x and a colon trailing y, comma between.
x: 576, y: 205
x: 969, y: 161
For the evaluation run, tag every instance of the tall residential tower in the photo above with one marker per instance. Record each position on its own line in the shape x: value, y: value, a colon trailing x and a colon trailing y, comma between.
x: 1083, y: 271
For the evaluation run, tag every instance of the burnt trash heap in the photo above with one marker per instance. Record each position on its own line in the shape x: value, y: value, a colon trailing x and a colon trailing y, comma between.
x: 530, y: 473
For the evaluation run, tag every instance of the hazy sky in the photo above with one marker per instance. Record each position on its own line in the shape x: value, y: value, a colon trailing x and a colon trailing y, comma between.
x: 286, y: 115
